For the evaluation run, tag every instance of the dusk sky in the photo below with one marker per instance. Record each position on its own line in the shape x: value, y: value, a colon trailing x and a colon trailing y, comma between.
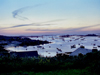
x: 46, y: 17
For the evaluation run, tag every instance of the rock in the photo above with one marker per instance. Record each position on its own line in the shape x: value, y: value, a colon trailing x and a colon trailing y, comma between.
x: 73, y: 46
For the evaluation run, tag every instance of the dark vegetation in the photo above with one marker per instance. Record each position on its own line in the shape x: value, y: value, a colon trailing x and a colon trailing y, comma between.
x: 65, y: 36
x: 33, y: 42
x: 23, y: 40
x: 3, y: 52
x: 81, y: 35
x: 89, y: 62
x: 91, y: 35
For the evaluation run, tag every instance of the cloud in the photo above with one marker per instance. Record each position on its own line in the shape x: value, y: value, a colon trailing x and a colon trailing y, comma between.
x: 46, y: 23
x: 77, y: 29
x: 63, y: 30
x: 19, y: 11
x: 17, y: 26
x: 42, y: 29
x: 20, y: 25
x: 40, y: 24
x: 36, y: 29
x: 31, y: 24
x: 57, y: 20
x: 16, y: 13
x: 23, y: 25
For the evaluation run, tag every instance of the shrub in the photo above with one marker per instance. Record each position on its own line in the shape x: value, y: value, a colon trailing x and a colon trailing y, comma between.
x: 82, y: 47
x: 80, y: 55
x: 94, y: 50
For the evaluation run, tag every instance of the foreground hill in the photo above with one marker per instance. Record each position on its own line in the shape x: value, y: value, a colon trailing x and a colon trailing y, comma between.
x: 88, y: 64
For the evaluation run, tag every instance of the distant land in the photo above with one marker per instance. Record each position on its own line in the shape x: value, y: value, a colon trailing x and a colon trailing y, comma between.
x: 66, y: 35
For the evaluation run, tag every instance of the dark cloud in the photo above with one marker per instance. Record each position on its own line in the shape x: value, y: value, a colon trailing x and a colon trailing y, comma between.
x: 23, y: 25
x: 20, y: 25
x: 19, y: 11
x: 16, y: 13
x: 17, y: 26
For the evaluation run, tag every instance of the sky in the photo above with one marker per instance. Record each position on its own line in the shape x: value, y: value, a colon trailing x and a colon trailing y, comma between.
x: 49, y: 17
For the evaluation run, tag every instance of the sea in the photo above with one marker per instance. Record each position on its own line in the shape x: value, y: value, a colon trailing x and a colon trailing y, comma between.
x: 59, y: 44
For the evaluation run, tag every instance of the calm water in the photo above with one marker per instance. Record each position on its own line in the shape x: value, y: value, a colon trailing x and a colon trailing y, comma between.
x: 59, y: 45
